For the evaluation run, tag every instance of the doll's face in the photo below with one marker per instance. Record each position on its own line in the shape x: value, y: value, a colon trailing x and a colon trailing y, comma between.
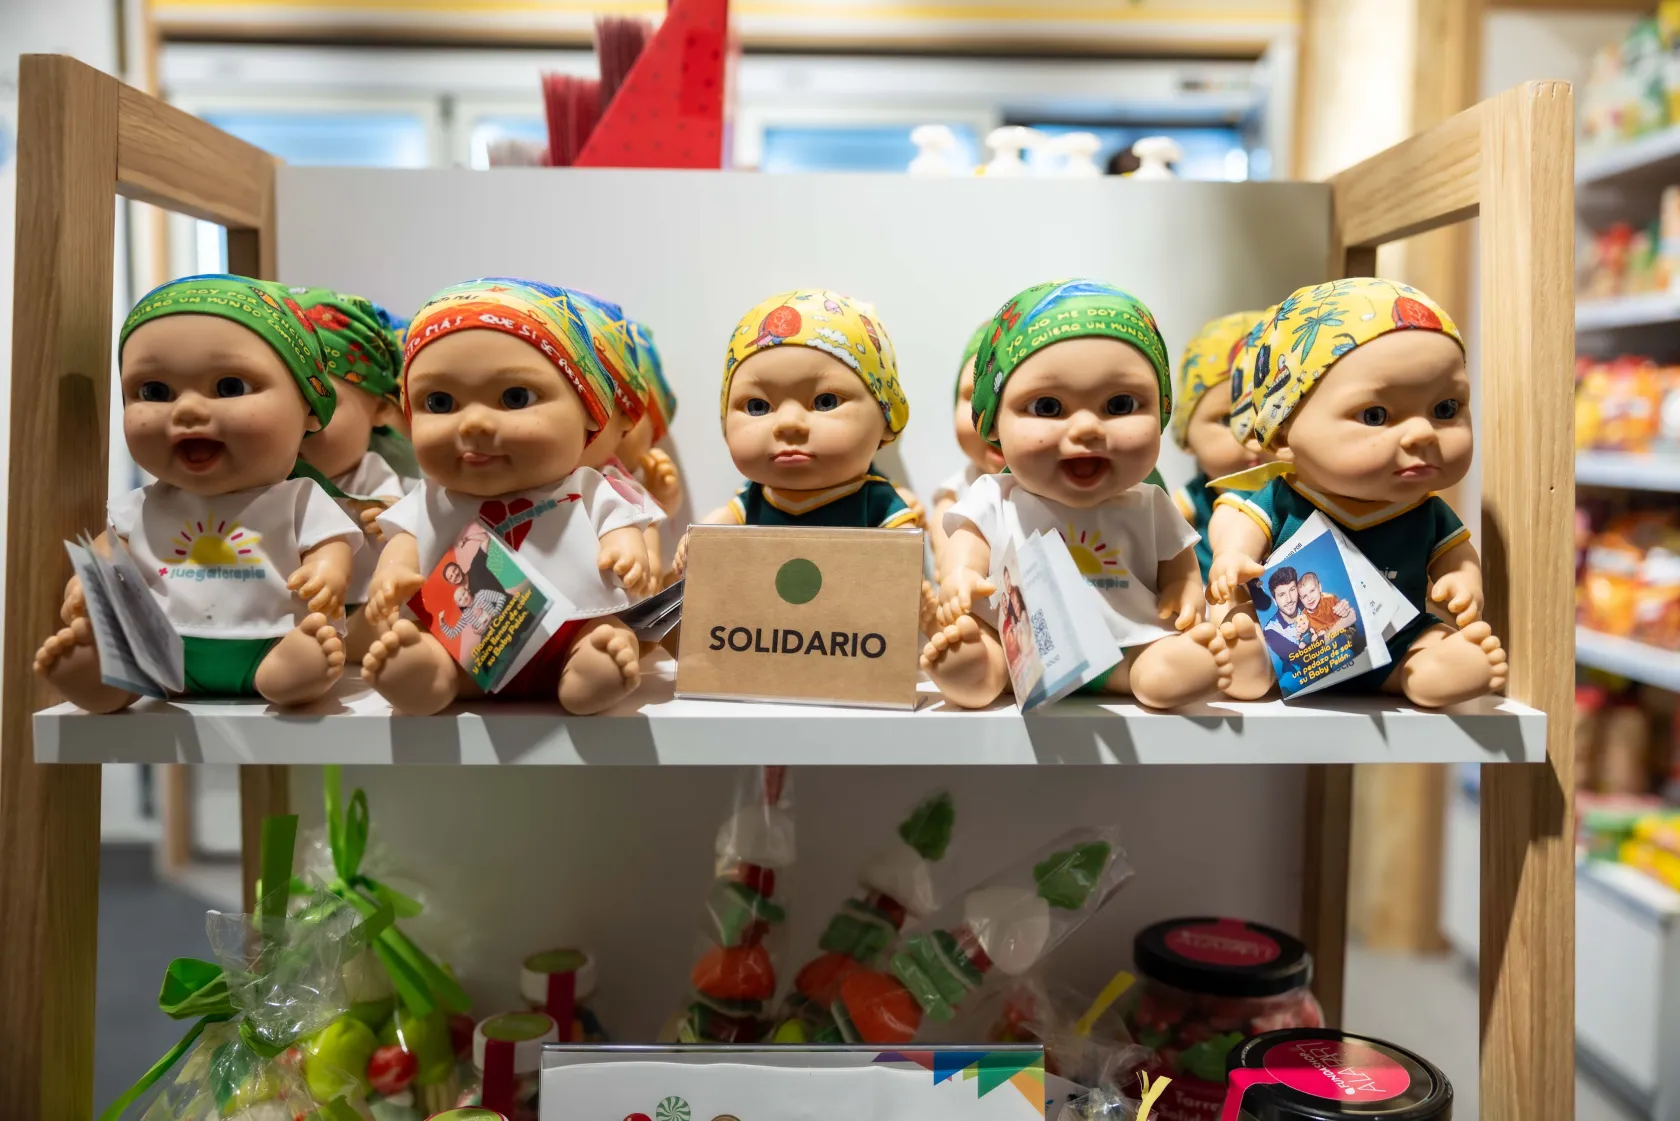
x: 339, y: 446
x: 491, y: 415
x: 638, y: 441
x: 608, y: 444
x: 985, y: 458
x: 1080, y: 421
x: 1217, y: 451
x: 1311, y: 593
x: 209, y: 407
x: 799, y: 419
x: 1390, y: 422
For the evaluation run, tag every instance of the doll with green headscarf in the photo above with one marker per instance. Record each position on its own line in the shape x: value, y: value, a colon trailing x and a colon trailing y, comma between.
x: 983, y: 459
x: 1072, y: 386
x: 221, y: 378
x: 1361, y: 395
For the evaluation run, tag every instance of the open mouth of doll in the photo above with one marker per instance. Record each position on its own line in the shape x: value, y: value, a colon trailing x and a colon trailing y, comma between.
x: 198, y: 453
x: 791, y: 458
x: 1085, y: 470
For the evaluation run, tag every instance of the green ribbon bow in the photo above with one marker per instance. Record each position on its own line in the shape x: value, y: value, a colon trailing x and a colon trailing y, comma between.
x: 421, y: 983
x: 193, y: 987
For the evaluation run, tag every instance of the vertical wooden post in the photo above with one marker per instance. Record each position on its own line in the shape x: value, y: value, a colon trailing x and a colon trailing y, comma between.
x: 1528, y: 496
x: 61, y: 373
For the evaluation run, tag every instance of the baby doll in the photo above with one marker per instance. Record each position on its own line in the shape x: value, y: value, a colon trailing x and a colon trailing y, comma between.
x: 221, y: 377
x: 1362, y: 396
x: 1072, y: 386
x: 983, y: 459
x: 652, y: 465
x: 503, y: 396
x: 359, y: 342
x: 810, y: 394
x: 1199, y: 419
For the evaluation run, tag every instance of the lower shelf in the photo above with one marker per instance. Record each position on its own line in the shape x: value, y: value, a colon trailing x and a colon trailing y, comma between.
x: 1628, y: 658
x: 655, y: 727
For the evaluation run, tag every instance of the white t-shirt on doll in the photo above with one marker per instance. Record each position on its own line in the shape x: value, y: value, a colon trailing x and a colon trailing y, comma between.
x: 557, y: 530
x: 218, y: 564
x: 631, y: 489
x: 1118, y: 546
x: 955, y: 487
x: 371, y: 478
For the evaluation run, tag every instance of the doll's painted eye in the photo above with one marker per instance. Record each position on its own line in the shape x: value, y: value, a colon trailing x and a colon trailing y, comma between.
x: 757, y: 406
x: 1046, y: 406
x: 1446, y: 410
x: 826, y: 402
x: 439, y: 403
x: 156, y: 391
x: 1374, y: 415
x: 1122, y: 404
x: 518, y: 397
x: 232, y: 387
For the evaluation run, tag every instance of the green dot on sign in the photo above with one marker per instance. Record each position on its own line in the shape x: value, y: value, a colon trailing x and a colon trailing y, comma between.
x: 798, y: 581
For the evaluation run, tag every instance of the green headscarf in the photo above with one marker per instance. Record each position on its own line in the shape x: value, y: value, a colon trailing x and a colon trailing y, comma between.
x: 358, y: 340
x: 1050, y: 313
x: 260, y: 306
x: 971, y: 350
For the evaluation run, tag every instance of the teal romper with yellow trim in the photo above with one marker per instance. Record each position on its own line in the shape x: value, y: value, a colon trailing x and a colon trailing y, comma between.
x: 1401, y: 540
x: 1195, y: 501
x: 867, y: 503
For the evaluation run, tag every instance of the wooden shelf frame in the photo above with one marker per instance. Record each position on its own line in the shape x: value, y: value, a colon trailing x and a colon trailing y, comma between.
x: 86, y: 139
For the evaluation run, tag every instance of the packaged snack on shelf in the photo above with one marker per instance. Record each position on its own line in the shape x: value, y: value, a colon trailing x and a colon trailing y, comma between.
x: 1318, y: 1074
x: 1618, y: 403
x: 406, y: 1025
x: 1654, y: 847
x: 1204, y: 985
x: 897, y: 886
x: 274, y: 984
x: 734, y: 980
x: 1656, y: 604
x: 1624, y: 750
x: 1085, y: 1040
x: 1009, y: 924
x: 560, y: 983
x: 1604, y: 821
x: 1610, y: 583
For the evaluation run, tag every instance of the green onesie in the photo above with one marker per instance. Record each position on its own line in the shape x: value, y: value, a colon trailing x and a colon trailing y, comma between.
x: 868, y: 503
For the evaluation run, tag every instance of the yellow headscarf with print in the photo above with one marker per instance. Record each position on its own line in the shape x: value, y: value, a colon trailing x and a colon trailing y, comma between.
x: 1244, y: 365
x: 837, y: 325
x: 1207, y: 363
x: 1316, y: 326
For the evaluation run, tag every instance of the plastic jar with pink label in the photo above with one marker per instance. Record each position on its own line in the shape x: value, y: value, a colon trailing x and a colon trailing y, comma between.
x: 1320, y: 1074
x: 1205, y: 985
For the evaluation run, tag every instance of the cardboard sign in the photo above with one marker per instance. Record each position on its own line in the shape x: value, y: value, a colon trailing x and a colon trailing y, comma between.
x: 821, y: 616
x: 992, y: 1082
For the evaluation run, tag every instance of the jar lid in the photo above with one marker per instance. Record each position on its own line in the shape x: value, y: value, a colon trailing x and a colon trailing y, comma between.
x: 526, y: 1032
x: 1222, y: 957
x: 1321, y: 1074
x: 468, y: 1113
x: 536, y: 970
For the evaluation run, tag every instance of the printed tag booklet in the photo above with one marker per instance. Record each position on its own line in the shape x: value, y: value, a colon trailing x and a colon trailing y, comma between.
x: 486, y: 607
x: 1325, y: 610
x: 139, y: 649
x: 1050, y: 622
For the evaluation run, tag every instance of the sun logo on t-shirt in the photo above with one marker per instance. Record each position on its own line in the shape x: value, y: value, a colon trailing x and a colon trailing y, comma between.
x: 1091, y: 554
x: 211, y: 542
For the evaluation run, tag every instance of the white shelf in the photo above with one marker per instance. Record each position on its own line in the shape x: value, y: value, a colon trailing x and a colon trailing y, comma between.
x: 1645, y: 894
x: 1627, y: 469
x: 1627, y: 311
x: 658, y: 728
x: 1593, y: 165
x: 1630, y: 659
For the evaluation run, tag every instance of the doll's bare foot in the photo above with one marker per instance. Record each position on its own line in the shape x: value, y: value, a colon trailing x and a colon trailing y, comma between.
x: 1245, y: 672
x: 928, y: 611
x: 1445, y: 666
x: 601, y: 669
x: 70, y: 663
x: 304, y: 665
x: 1176, y: 670
x: 411, y: 669
x: 966, y: 661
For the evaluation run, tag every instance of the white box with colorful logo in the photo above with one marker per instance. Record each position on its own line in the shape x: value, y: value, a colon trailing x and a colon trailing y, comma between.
x: 703, y: 1083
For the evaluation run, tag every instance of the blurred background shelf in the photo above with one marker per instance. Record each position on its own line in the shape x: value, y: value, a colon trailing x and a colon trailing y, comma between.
x: 1628, y: 658
x: 1655, y: 151
x: 1627, y: 311
x: 1628, y: 469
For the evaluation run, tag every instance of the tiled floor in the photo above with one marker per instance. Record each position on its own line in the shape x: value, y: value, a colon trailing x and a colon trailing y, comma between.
x: 1430, y: 1004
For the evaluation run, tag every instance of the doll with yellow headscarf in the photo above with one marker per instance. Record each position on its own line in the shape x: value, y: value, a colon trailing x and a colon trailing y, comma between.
x: 1362, y: 397
x: 810, y: 394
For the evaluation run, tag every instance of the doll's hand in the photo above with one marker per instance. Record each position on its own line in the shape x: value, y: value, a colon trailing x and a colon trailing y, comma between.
x: 679, y: 559
x: 75, y: 603
x: 320, y: 582
x: 1183, y: 603
x: 1228, y: 573
x: 659, y: 475
x: 369, y: 518
x: 624, y: 553
x: 1460, y: 593
x: 391, y: 589
x: 913, y: 504
x: 958, y: 592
